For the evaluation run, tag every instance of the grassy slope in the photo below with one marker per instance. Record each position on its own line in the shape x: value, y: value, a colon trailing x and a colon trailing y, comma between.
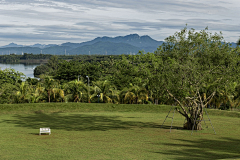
x: 106, y: 131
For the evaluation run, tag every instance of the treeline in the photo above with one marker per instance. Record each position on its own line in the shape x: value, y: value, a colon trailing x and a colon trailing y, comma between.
x: 13, y: 58
x: 189, y: 64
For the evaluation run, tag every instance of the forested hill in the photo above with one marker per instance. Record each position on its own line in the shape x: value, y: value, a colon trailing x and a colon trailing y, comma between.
x: 129, y: 44
x: 145, y: 43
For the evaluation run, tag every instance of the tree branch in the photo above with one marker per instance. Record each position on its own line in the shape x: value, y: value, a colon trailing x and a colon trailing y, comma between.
x: 212, y: 95
x: 180, y: 112
x: 185, y: 112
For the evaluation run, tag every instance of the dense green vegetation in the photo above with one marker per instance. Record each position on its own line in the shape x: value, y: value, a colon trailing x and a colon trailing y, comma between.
x: 192, y: 70
x: 107, y: 131
x: 13, y: 58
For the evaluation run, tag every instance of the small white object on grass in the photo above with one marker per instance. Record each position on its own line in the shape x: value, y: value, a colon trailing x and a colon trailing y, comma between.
x: 45, y: 130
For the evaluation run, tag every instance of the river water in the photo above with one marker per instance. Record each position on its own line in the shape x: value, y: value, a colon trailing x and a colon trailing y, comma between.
x: 26, y: 69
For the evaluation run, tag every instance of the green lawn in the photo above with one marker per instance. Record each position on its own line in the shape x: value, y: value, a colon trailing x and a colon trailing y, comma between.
x: 105, y: 131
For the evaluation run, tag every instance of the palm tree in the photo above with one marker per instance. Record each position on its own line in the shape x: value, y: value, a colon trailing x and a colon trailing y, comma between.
x: 105, y: 92
x: 50, y: 86
x: 142, y: 95
x: 134, y: 94
x: 38, y: 93
x: 234, y: 99
x: 226, y: 96
x: 23, y: 94
x: 58, y: 94
x: 75, y: 90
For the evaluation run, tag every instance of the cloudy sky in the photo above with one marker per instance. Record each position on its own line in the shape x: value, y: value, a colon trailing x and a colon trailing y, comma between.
x: 57, y: 21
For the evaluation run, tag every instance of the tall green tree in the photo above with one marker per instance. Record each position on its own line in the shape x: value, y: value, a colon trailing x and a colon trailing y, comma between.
x: 37, y: 94
x: 49, y: 86
x: 190, y: 59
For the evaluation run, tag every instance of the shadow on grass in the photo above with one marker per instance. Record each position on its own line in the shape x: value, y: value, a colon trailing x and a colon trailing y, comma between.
x: 78, y: 122
x: 37, y: 134
x: 169, y: 127
x: 204, y: 149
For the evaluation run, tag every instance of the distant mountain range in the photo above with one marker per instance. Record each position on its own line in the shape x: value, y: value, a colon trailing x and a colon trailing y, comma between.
x: 130, y: 44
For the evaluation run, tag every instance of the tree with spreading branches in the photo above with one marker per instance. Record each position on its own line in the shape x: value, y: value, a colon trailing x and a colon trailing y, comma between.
x: 191, y: 60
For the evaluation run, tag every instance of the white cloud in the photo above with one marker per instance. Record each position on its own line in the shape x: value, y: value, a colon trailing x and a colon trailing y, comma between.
x: 29, y: 21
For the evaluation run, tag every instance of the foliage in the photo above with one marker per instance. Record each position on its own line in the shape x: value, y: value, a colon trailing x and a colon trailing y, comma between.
x: 76, y: 91
x: 7, y: 91
x: 41, y: 69
x: 52, y: 89
x: 10, y: 76
x: 69, y: 71
x: 32, y: 81
x: 190, y: 60
x: 9, y: 79
x: 105, y: 92
x: 23, y: 94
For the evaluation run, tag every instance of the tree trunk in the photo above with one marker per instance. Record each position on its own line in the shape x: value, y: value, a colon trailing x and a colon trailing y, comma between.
x: 194, y: 112
x: 195, y: 119
x: 48, y: 96
x: 190, y: 123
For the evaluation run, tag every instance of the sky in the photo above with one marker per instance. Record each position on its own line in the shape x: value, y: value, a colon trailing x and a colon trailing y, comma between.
x: 28, y: 22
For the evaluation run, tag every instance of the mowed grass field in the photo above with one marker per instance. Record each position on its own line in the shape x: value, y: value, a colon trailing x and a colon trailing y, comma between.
x: 107, y: 131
